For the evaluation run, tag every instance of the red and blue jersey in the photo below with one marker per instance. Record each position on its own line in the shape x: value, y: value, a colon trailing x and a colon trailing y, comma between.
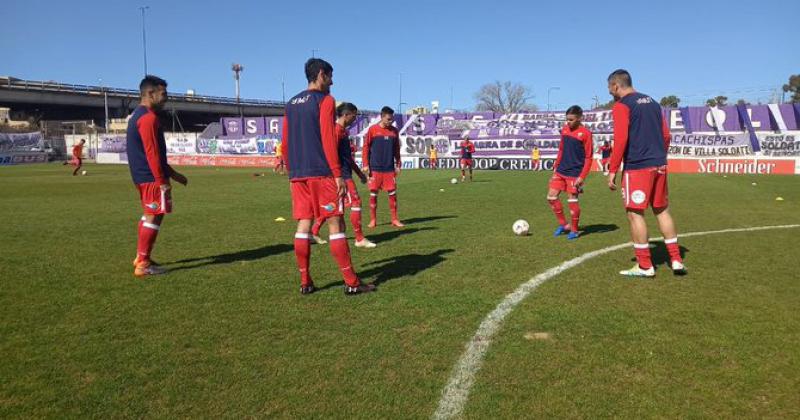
x: 641, y: 135
x: 574, y: 152
x: 381, y: 151
x: 147, y: 150
x: 467, y: 149
x: 309, y: 143
x: 346, y: 151
x: 605, y: 151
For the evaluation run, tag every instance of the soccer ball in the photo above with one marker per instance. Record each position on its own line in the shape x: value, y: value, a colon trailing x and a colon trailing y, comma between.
x: 83, y: 172
x: 454, y: 181
x: 521, y: 227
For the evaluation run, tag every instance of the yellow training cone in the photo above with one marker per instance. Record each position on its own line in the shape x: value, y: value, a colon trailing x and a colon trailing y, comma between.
x: 779, y: 199
x: 280, y: 219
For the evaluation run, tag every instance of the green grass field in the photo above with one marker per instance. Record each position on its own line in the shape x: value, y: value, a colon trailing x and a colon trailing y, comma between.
x: 226, y: 333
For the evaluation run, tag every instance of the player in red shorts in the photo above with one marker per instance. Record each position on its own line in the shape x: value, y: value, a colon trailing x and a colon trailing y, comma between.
x: 641, y: 141
x: 570, y: 170
x: 310, y: 148
x: 147, y: 160
x: 77, y: 157
x: 605, y: 156
x: 381, y: 155
x: 467, y: 149
x: 346, y: 114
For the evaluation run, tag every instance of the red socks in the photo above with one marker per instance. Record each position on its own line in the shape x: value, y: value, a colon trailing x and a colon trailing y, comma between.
x: 148, y: 232
x: 558, y: 210
x: 373, y: 206
x: 341, y: 253
x: 302, y: 252
x: 393, y: 204
x: 355, y: 220
x: 673, y: 249
x: 642, y: 252
x: 575, y: 212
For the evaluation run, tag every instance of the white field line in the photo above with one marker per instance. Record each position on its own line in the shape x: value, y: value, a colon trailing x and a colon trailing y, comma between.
x: 455, y: 394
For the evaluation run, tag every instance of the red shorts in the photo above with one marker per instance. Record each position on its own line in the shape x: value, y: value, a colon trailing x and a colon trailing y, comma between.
x: 154, y: 201
x: 642, y: 188
x: 466, y: 162
x: 352, y: 199
x: 382, y: 181
x: 564, y: 183
x: 315, y: 198
x: 434, y: 161
x: 605, y: 161
x: 76, y: 161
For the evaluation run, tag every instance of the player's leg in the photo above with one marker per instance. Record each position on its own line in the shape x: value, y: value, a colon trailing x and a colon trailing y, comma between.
x: 353, y: 200
x: 470, y: 170
x: 374, y: 185
x: 155, y: 203
x: 637, y: 185
x: 665, y: 222
x: 463, y: 170
x: 390, y: 186
x: 303, y: 212
x: 555, y: 187
x: 575, y: 215
x: 315, y: 231
x: 78, y: 164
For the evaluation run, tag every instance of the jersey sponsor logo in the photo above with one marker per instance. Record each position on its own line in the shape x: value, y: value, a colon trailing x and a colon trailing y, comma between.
x: 302, y: 100
x: 638, y: 196
x: 328, y: 207
x: 644, y: 100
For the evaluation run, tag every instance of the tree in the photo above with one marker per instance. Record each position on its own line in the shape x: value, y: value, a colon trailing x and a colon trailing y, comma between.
x: 607, y: 105
x: 504, y: 97
x: 671, y: 101
x: 793, y: 87
x: 717, y: 101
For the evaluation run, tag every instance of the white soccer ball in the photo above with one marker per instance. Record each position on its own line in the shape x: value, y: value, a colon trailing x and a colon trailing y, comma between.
x: 83, y: 172
x: 521, y: 227
x: 454, y: 181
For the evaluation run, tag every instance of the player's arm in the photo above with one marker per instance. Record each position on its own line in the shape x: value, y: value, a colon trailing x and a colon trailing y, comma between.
x: 587, y: 157
x: 330, y: 143
x: 397, y: 159
x: 621, y: 116
x: 558, y: 157
x: 284, y: 143
x: 365, y: 150
x: 665, y: 132
x: 148, y: 131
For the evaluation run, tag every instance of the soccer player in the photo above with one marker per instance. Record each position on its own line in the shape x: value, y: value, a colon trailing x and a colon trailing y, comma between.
x: 605, y: 156
x: 346, y: 114
x: 310, y: 147
x: 535, y: 156
x: 381, y: 156
x: 279, y: 165
x: 571, y: 167
x: 434, y: 154
x: 467, y: 149
x: 641, y: 141
x: 77, y: 156
x: 147, y: 160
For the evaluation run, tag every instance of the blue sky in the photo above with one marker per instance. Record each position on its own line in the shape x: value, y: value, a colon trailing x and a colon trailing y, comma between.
x: 695, y: 49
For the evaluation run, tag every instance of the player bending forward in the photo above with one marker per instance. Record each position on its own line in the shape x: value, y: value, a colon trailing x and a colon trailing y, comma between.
x: 346, y: 114
x: 641, y: 141
x: 572, y: 165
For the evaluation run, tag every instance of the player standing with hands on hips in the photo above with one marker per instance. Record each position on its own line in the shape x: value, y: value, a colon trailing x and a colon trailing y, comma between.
x: 641, y: 141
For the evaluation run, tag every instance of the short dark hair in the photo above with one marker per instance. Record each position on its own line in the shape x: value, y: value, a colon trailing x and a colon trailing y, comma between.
x: 387, y: 110
x: 575, y: 110
x: 346, y: 108
x: 621, y: 77
x: 314, y: 65
x: 151, y: 82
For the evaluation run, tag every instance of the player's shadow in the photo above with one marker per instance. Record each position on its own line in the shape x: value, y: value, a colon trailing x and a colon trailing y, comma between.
x: 397, y: 267
x: 392, y: 234
x: 245, y: 255
x: 659, y: 254
x: 415, y: 220
x: 599, y: 228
